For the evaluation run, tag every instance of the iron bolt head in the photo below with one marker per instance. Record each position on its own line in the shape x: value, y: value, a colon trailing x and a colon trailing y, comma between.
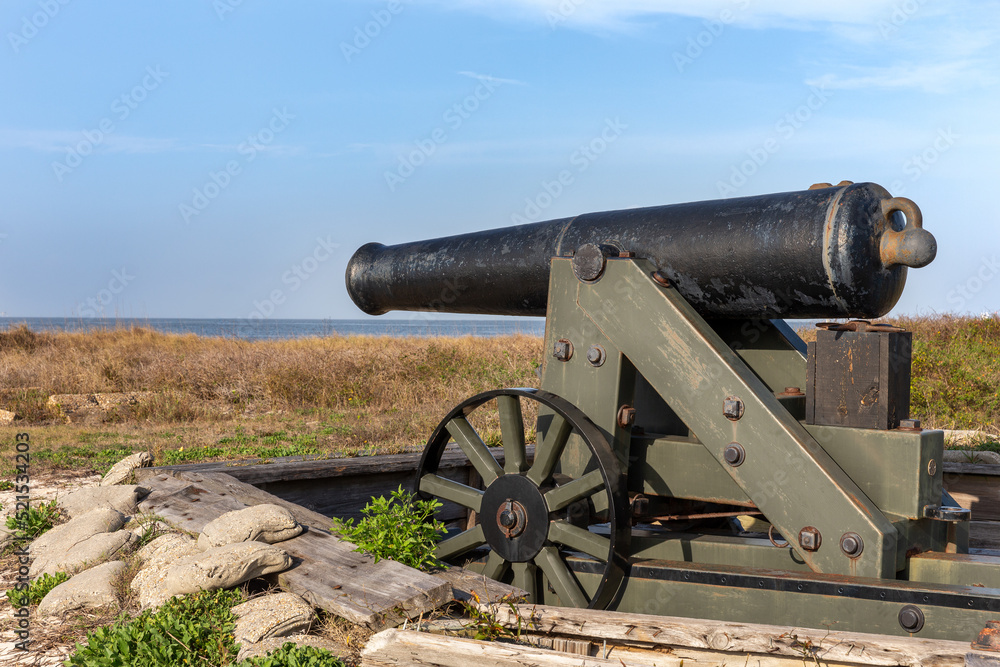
x: 563, y: 350
x: 596, y: 355
x: 911, y: 618
x: 732, y: 408
x: 810, y: 538
x: 661, y: 278
x: 735, y: 455
x: 507, y: 519
x: 910, y: 424
x: 851, y: 544
x: 626, y: 416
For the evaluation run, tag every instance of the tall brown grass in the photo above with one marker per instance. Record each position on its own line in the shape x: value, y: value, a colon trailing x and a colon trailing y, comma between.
x: 197, y: 377
x: 401, y: 384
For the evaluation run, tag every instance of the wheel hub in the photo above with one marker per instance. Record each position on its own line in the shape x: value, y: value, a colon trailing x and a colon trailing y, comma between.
x: 515, y: 518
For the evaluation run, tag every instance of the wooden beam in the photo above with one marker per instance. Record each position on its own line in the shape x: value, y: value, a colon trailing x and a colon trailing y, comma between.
x: 393, y: 648
x: 327, y: 571
x: 739, y: 638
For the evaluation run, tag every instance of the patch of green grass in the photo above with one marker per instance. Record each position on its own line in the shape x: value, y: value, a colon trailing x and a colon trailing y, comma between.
x: 191, y: 630
x: 75, y: 457
x: 34, y: 592
x: 292, y: 655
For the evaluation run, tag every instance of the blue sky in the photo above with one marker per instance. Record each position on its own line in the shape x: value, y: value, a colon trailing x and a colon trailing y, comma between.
x: 226, y: 158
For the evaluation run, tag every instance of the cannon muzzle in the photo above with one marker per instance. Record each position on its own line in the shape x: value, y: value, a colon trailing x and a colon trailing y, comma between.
x: 838, y: 251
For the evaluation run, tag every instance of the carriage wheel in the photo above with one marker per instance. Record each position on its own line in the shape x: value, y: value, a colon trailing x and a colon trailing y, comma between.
x: 531, y: 517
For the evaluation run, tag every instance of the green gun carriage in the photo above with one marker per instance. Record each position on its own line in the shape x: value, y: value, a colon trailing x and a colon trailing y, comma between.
x: 692, y: 455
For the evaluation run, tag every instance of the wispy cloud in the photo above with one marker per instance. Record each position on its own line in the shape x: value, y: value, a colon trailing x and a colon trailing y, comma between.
x: 943, y: 77
x: 609, y: 14
x: 59, y: 141
x: 492, y: 79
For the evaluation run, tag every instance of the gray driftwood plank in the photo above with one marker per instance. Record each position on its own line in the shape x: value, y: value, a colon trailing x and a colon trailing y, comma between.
x: 326, y: 571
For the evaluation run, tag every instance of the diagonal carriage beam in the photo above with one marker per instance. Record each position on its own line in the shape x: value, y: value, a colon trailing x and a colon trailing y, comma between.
x: 787, y: 474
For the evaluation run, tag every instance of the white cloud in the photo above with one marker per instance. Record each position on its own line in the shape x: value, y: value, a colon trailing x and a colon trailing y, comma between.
x: 612, y: 14
x: 492, y: 79
x: 943, y: 77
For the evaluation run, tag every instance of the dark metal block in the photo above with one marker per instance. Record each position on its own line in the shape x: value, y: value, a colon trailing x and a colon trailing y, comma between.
x: 858, y: 375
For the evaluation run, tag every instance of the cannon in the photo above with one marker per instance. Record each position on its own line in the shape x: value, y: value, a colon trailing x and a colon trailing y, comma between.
x: 687, y: 454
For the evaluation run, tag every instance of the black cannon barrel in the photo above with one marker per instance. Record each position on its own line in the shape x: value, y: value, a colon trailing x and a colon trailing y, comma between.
x: 834, y: 251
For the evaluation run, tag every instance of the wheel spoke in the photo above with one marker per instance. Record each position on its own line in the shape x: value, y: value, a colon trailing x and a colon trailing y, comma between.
x: 526, y: 578
x: 579, y: 539
x: 448, y: 489
x: 560, y: 577
x: 495, y: 566
x: 475, y: 449
x: 548, y: 451
x: 578, y: 489
x: 465, y: 541
x: 512, y: 434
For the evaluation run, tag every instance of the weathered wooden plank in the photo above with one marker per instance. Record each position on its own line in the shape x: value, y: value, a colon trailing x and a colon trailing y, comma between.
x: 338, y: 487
x: 742, y: 638
x: 326, y: 571
x: 984, y: 535
x: 262, y: 471
x: 977, y: 492
x: 962, y: 468
x: 393, y: 648
x: 466, y: 582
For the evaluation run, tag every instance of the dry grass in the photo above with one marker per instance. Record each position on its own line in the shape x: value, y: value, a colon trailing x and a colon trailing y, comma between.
x: 226, y: 398
x: 312, y: 395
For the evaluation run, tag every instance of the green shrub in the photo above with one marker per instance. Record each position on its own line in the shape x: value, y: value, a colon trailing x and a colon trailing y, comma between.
x: 290, y: 655
x: 191, y: 630
x: 36, y: 590
x: 34, y: 521
x: 399, y: 528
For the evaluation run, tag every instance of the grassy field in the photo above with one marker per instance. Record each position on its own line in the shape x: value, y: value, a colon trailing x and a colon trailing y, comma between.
x: 219, y: 398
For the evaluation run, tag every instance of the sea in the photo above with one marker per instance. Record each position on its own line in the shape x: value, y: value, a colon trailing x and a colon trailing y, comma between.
x: 278, y: 329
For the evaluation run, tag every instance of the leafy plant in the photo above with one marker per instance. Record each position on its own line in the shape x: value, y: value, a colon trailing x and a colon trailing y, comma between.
x: 6, y: 485
x: 191, y: 630
x: 34, y: 521
x: 36, y: 590
x: 400, y: 528
x: 486, y: 625
x: 292, y: 655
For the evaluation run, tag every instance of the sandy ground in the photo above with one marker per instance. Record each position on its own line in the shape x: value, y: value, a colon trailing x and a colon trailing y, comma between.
x: 52, y: 641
